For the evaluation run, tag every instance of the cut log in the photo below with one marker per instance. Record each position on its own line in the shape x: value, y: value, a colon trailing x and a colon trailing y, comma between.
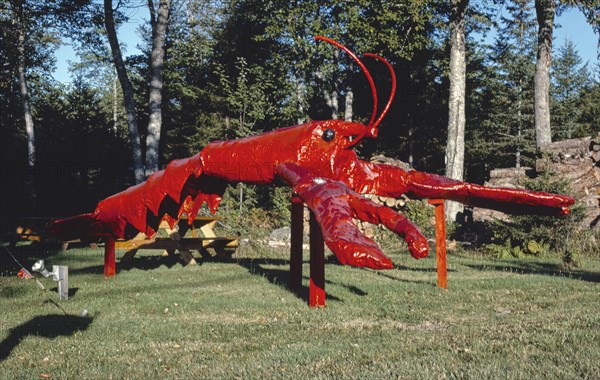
x: 509, y: 172
x: 571, y: 145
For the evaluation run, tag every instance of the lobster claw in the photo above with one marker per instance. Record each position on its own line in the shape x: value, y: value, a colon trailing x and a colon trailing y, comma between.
x: 335, y: 205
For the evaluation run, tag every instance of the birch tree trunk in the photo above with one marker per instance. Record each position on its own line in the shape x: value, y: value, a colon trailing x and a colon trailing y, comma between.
x: 348, y: 111
x: 159, y: 20
x: 332, y: 102
x: 127, y: 88
x: 300, y: 102
x: 25, y: 104
x: 455, y: 148
x: 545, y: 11
x: 115, y: 105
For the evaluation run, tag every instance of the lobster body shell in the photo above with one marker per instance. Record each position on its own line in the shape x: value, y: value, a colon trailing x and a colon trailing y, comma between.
x: 185, y: 184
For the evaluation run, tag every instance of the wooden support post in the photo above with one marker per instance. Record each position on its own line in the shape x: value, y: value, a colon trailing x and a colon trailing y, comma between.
x: 317, y: 265
x: 440, y: 242
x: 109, y: 258
x: 297, y: 232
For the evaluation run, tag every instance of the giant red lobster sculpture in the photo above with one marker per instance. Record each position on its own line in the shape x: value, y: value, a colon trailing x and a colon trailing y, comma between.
x: 316, y: 159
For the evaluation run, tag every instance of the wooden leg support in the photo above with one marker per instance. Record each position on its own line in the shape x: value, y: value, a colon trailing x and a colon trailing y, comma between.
x: 317, y: 265
x: 297, y: 232
x: 129, y: 255
x: 440, y: 242
x: 109, y: 258
x: 187, y: 257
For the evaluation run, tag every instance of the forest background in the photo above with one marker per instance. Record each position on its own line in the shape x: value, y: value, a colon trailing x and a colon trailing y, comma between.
x: 209, y: 70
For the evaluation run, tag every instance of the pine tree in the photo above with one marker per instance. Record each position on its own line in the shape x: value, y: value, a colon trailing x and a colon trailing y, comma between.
x: 570, y: 78
x: 510, y: 130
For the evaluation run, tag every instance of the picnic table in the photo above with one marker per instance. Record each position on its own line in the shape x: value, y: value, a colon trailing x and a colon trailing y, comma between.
x: 184, y: 238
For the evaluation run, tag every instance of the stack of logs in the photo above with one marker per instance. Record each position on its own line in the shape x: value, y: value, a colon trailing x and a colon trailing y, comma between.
x: 396, y: 204
x: 368, y: 229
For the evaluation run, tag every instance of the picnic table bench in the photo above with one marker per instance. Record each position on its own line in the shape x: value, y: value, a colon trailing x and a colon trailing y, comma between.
x: 183, y: 238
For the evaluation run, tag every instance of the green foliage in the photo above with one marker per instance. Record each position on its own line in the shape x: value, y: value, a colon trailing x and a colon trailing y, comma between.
x: 505, y: 136
x: 255, y: 211
x: 538, y: 235
x: 279, y: 205
x: 422, y: 214
x: 506, y: 250
x: 589, y: 108
x: 245, y: 97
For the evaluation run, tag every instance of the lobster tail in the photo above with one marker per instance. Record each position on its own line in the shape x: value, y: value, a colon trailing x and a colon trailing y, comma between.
x: 165, y: 195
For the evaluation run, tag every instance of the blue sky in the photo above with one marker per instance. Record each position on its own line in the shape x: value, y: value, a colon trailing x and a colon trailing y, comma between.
x: 572, y: 25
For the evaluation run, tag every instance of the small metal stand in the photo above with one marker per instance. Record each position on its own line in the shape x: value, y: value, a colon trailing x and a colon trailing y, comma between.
x: 60, y: 273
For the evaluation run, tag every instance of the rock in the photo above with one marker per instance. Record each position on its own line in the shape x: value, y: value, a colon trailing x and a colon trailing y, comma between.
x: 282, y: 234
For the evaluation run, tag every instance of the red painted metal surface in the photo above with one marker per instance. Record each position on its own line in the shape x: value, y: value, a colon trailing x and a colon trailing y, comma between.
x: 317, y: 161
x: 297, y: 232
x: 440, y: 242
x: 316, y: 291
x: 110, y: 267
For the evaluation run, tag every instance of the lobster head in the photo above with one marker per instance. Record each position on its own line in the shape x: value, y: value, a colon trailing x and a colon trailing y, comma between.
x: 326, y: 146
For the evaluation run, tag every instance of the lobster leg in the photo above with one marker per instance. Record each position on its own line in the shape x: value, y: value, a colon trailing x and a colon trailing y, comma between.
x: 393, y: 181
x: 334, y: 206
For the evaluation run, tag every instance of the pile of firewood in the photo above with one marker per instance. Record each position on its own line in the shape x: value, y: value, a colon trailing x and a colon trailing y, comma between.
x: 396, y: 204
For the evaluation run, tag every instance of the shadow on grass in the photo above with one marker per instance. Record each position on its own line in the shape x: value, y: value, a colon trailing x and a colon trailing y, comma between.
x: 47, y: 326
x: 280, y: 277
x: 431, y: 282
x: 142, y: 262
x: 537, y: 268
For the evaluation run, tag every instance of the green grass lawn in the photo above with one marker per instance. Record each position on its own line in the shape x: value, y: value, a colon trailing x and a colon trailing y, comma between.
x: 506, y: 319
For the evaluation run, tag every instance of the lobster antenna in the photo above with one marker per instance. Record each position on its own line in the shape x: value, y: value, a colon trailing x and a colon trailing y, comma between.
x: 373, y: 131
x: 363, y: 68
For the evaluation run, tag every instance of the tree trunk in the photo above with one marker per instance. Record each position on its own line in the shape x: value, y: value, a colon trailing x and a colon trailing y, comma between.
x: 300, y: 102
x: 545, y: 11
x: 455, y: 148
x: 30, y: 185
x: 332, y: 103
x: 127, y: 88
x: 348, y: 112
x: 157, y: 56
x: 115, y: 105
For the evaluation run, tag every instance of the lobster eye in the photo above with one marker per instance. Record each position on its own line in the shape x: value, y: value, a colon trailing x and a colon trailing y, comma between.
x: 328, y: 135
